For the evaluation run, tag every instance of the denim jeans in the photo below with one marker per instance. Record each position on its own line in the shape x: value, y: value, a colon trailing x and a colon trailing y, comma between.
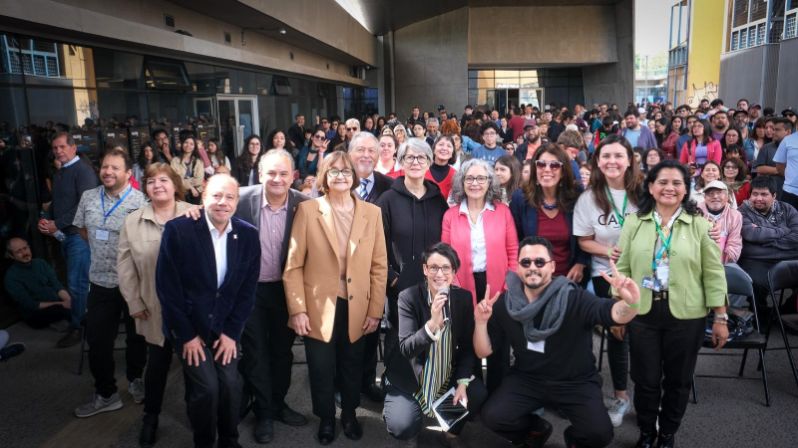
x: 78, y: 258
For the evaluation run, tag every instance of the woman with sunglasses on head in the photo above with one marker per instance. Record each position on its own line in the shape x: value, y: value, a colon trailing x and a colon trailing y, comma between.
x: 735, y: 176
x: 600, y: 213
x: 545, y: 206
x: 667, y: 234
x: 334, y: 280
x: 481, y: 229
x: 310, y: 156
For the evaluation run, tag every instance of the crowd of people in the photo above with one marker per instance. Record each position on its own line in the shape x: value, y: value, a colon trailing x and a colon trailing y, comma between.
x: 503, y: 238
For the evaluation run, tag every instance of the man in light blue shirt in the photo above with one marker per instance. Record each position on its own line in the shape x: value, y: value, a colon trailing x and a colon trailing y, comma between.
x: 786, y: 160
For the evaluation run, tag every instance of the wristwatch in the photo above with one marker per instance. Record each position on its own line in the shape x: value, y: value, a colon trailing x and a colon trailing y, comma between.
x: 722, y: 316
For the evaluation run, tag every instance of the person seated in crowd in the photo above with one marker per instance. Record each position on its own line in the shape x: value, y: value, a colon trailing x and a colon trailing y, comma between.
x: 727, y: 222
x: 205, y: 278
x: 548, y: 320
x: 32, y: 283
x: 436, y: 325
x: 770, y: 232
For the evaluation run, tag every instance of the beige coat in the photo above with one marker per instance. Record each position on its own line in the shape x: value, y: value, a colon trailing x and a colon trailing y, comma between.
x: 311, y: 275
x: 139, y: 243
x: 198, y: 178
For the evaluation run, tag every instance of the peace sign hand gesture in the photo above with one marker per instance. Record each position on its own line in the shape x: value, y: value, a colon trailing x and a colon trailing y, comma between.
x: 484, y: 309
x: 627, y: 289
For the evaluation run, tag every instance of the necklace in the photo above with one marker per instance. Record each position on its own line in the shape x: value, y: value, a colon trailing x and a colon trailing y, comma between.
x: 550, y: 206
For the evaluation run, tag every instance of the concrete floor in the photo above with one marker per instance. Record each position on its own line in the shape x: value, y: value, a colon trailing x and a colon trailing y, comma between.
x: 39, y: 390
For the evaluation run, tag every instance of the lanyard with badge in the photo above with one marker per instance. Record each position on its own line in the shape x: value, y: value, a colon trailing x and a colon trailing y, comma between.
x: 102, y: 234
x: 660, y: 265
x: 620, y: 216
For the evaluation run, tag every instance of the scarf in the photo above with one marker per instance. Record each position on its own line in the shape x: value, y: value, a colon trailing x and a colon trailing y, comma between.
x: 521, y: 310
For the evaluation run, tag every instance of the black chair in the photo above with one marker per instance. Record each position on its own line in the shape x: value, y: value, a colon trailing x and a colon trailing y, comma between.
x: 740, y: 283
x: 783, y: 276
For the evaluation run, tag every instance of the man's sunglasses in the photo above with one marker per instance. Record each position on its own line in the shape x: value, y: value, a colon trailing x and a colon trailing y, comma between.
x: 526, y: 263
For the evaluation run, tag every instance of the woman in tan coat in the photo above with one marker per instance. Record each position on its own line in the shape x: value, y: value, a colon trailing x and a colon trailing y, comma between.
x: 139, y: 242
x: 334, y: 280
x: 190, y: 169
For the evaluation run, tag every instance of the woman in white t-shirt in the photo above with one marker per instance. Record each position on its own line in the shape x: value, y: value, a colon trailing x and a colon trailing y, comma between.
x: 612, y: 194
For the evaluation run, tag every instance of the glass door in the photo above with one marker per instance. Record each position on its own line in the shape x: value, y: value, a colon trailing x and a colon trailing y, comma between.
x: 238, y: 119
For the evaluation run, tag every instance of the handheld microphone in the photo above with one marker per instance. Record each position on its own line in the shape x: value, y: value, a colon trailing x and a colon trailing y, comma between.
x: 447, y: 312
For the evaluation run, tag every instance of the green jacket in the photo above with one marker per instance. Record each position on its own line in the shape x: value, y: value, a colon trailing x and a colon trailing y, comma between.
x: 697, y: 280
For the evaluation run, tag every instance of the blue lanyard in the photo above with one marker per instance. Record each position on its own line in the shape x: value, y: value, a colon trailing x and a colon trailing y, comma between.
x: 102, y: 202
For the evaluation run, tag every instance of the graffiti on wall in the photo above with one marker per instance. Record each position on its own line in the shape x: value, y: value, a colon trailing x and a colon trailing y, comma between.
x: 709, y: 91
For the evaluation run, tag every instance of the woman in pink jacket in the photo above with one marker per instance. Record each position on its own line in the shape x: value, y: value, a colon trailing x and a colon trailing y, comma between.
x: 481, y: 230
x: 701, y: 148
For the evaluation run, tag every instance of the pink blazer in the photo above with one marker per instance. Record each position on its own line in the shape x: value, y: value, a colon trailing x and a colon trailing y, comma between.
x: 501, y: 245
x: 714, y: 152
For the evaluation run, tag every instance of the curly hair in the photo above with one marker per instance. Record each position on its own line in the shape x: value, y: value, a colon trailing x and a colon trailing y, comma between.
x: 494, y: 190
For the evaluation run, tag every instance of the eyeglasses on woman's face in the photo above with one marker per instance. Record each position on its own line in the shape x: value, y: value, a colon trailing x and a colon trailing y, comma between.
x: 476, y: 179
x: 421, y: 160
x: 526, y: 263
x: 553, y: 165
x: 335, y: 172
x: 434, y: 269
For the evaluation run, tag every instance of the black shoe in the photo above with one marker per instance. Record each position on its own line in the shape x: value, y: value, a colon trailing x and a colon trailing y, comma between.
x: 646, y: 439
x: 264, y: 430
x: 148, y: 429
x: 374, y: 393
x: 666, y: 441
x: 352, y: 428
x: 72, y: 337
x: 540, y: 433
x: 290, y: 417
x: 11, y: 350
x: 326, y: 433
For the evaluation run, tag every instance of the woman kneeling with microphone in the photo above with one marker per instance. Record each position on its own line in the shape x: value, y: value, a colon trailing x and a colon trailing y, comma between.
x: 436, y: 324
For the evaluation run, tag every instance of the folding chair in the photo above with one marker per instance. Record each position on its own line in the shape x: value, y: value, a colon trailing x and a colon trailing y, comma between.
x: 739, y: 282
x: 781, y: 277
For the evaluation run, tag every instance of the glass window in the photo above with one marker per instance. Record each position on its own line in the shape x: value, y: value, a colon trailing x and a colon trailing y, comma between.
x: 167, y: 75
x: 759, y: 9
x: 740, y: 13
x: 117, y: 69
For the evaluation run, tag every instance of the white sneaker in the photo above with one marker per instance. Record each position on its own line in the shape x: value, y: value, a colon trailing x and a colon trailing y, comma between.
x: 99, y: 405
x: 136, y: 389
x: 617, y: 410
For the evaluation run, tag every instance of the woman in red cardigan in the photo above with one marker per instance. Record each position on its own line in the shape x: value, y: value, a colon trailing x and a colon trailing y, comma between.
x: 701, y: 148
x: 441, y: 171
x: 481, y: 230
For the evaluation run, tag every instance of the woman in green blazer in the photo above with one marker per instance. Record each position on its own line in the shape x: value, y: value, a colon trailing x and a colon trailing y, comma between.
x: 668, y: 251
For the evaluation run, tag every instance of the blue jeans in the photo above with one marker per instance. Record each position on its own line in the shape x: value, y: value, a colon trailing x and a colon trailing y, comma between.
x: 78, y: 259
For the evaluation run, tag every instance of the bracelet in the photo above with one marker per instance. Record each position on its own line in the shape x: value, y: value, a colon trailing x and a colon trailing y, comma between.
x: 720, y: 321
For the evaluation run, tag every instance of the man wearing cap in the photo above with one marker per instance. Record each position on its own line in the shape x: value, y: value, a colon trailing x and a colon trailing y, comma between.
x: 789, y: 114
x: 741, y: 118
x: 727, y: 221
x: 532, y: 142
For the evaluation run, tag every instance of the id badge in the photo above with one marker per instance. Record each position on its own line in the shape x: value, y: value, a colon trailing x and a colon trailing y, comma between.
x: 663, y: 272
x: 539, y: 346
x: 650, y: 283
x: 101, y: 235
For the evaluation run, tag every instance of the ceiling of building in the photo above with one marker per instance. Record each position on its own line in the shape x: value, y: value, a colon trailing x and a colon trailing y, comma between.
x: 381, y: 16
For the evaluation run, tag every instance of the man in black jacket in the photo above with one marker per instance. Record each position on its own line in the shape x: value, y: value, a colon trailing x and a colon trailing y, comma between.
x: 549, y: 323
x: 296, y: 133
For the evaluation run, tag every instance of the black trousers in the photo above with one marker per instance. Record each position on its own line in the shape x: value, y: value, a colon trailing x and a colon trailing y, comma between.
x: 617, y: 351
x: 404, y: 418
x: 508, y: 411
x: 43, y: 317
x: 159, y: 359
x: 498, y: 363
x: 105, y: 307
x: 664, y: 351
x: 267, y: 354
x: 339, y: 359
x: 789, y: 198
x: 213, y: 398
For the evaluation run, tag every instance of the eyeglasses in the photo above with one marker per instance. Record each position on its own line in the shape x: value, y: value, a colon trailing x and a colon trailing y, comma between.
x: 421, y: 160
x: 478, y: 179
x: 352, y: 129
x: 539, y: 262
x: 336, y: 172
x: 318, y: 137
x: 553, y: 165
x: 444, y: 269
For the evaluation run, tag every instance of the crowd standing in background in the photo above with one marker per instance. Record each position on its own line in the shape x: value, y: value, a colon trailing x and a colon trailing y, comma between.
x: 498, y: 235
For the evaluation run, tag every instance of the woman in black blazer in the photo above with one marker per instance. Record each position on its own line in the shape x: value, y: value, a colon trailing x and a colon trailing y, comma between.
x: 432, y: 322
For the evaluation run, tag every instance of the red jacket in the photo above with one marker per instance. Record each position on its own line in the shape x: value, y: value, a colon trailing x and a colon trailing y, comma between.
x: 501, y: 245
x: 714, y: 152
x: 446, y: 184
x: 669, y: 145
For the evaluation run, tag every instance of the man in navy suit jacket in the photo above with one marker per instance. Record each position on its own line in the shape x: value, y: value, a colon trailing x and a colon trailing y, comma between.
x: 206, y: 277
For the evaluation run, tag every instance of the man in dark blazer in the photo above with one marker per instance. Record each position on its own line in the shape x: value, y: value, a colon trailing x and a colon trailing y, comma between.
x: 364, y: 152
x: 267, y: 341
x: 206, y: 277
x: 424, y: 315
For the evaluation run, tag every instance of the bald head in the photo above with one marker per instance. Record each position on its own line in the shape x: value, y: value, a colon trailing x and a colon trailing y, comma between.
x: 18, y: 250
x: 220, y: 199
